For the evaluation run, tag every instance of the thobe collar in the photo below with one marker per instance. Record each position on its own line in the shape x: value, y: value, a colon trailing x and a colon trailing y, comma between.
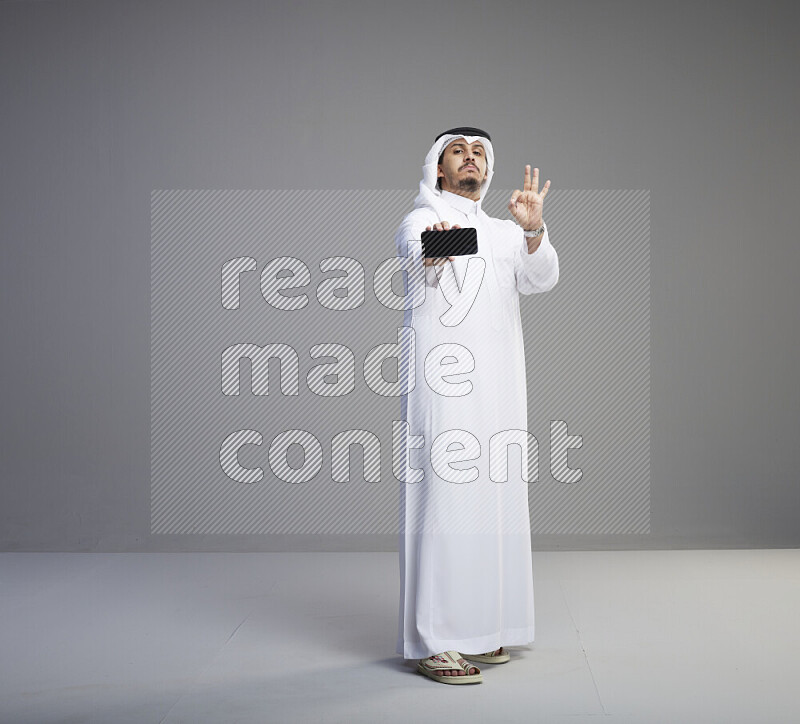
x: 462, y: 203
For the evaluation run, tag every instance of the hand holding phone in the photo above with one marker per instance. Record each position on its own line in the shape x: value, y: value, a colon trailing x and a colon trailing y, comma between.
x: 442, y: 243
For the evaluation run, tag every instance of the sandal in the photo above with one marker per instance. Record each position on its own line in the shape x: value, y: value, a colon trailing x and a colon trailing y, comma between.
x: 445, y: 661
x: 489, y: 657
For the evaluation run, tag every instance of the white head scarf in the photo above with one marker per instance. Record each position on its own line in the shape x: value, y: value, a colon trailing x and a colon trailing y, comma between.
x: 429, y: 195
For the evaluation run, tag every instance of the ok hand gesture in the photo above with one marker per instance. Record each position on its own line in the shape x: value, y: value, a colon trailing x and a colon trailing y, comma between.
x: 526, y: 205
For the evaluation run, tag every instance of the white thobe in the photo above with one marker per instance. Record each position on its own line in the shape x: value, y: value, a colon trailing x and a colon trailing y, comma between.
x: 466, y: 580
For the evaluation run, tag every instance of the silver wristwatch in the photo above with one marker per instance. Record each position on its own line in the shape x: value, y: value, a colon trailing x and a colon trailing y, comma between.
x: 533, y: 233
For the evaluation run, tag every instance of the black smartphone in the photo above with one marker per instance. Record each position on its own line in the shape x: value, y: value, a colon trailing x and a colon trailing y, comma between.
x: 450, y: 242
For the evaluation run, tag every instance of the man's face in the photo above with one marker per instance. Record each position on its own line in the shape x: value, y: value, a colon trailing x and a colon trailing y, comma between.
x: 463, y: 168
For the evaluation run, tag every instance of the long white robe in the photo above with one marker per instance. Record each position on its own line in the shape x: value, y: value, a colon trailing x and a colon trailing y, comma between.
x: 466, y: 580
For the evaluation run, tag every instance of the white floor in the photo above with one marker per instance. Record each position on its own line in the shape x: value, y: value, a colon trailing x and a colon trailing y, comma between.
x: 234, y: 638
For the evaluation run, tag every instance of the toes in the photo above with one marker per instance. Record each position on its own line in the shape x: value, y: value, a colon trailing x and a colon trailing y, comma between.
x: 471, y: 668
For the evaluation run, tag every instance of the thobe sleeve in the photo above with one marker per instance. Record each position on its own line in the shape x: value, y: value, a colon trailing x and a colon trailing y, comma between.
x: 537, y: 272
x: 408, y: 241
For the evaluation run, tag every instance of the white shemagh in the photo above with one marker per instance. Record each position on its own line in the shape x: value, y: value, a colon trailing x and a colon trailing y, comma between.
x: 431, y: 196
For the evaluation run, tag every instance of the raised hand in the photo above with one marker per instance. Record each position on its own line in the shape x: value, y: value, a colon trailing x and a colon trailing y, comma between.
x: 526, y: 205
x: 439, y: 226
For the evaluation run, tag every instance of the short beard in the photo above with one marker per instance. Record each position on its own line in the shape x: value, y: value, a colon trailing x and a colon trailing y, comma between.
x: 470, y: 183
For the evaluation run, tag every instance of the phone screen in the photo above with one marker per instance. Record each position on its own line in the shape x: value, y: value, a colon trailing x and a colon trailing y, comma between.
x: 450, y: 242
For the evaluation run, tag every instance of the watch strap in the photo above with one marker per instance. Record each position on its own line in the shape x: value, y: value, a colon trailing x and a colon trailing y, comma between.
x: 533, y: 233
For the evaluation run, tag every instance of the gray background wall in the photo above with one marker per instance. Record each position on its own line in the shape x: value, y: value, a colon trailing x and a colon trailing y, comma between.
x: 105, y: 101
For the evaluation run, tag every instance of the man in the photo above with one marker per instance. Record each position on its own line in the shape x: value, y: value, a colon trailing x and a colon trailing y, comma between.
x: 465, y: 545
